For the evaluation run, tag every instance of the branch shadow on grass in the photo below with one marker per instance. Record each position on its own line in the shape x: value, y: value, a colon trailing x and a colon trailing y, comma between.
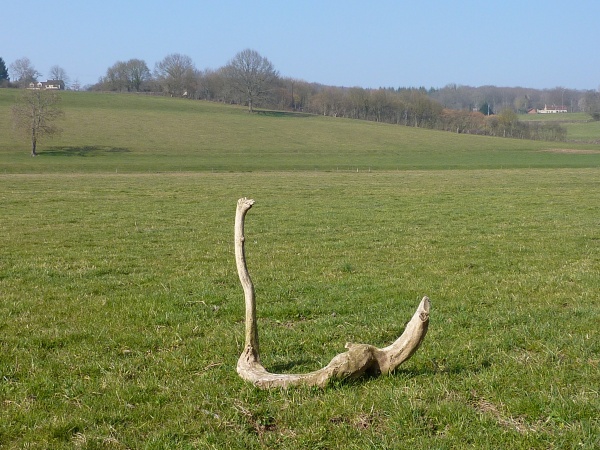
x: 431, y: 367
x: 295, y: 366
x: 86, y: 150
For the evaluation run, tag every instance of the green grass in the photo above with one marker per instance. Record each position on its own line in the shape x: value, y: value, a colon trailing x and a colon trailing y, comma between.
x: 584, y: 131
x: 121, y: 315
x: 128, y: 133
x: 579, y: 126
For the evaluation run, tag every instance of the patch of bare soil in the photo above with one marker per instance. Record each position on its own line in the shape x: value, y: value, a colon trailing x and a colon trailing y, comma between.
x: 572, y: 151
x: 519, y: 424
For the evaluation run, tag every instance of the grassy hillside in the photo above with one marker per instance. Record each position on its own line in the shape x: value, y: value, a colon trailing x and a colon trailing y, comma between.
x: 112, y: 132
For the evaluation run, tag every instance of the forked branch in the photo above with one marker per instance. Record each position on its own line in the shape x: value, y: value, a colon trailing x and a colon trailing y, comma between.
x: 360, y: 359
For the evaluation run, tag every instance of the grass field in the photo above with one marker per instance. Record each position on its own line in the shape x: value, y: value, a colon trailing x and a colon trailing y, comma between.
x: 128, y: 133
x: 579, y: 126
x: 121, y: 315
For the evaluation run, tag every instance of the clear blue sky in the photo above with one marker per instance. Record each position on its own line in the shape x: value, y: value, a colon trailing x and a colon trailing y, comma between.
x: 538, y: 44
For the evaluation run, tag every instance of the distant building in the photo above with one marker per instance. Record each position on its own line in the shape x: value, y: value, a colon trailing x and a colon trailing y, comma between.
x: 552, y: 110
x: 55, y: 85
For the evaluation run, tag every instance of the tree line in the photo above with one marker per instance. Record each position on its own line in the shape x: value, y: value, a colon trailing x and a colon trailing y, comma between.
x: 23, y: 72
x: 251, y: 79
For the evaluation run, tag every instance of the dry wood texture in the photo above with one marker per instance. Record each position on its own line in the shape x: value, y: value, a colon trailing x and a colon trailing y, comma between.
x: 358, y: 360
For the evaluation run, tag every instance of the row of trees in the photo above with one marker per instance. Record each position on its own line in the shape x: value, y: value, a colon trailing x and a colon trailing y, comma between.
x: 36, y: 111
x: 251, y: 79
x: 413, y: 107
x: 23, y: 72
x: 505, y: 124
x: 248, y: 78
x: 177, y: 75
x: 518, y: 99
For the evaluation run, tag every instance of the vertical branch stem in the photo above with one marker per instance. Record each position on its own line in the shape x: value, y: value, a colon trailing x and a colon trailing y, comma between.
x: 251, y: 334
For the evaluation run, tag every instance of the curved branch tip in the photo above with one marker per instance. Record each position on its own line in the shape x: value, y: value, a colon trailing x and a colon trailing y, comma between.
x: 245, y: 203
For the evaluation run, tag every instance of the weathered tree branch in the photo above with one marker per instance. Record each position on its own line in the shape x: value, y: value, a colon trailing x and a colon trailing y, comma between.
x: 360, y: 359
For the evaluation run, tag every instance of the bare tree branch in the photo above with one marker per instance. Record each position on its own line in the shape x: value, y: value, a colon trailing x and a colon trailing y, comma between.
x: 251, y: 75
x: 360, y: 359
x: 35, y: 114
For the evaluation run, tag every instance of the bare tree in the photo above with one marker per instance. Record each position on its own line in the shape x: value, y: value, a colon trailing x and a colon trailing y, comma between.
x: 116, y: 78
x: 176, y: 74
x: 137, y: 73
x: 35, y: 113
x: 58, y: 73
x: 23, y: 72
x: 329, y: 102
x: 251, y: 75
x: 507, y: 119
x: 126, y: 76
x: 212, y: 85
x: 591, y: 104
x: 358, y: 102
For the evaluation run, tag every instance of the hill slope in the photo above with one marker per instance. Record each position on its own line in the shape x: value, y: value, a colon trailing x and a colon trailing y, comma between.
x: 132, y: 133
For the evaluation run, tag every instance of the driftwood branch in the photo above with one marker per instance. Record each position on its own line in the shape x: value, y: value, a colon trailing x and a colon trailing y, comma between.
x: 358, y: 360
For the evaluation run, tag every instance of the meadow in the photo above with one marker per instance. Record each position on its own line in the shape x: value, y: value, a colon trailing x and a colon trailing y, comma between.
x: 129, y: 133
x: 579, y: 126
x: 121, y: 314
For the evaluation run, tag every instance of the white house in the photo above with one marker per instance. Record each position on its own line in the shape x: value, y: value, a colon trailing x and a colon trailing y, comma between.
x: 552, y: 110
x: 55, y: 85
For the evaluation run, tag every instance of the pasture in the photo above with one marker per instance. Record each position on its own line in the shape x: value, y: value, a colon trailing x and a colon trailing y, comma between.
x: 580, y: 127
x: 121, y: 314
x: 130, y: 133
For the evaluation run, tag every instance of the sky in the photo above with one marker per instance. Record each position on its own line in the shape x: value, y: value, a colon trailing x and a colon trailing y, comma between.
x: 370, y: 44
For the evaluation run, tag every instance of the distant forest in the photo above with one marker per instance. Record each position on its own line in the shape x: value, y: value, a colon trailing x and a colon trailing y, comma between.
x: 250, y: 79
